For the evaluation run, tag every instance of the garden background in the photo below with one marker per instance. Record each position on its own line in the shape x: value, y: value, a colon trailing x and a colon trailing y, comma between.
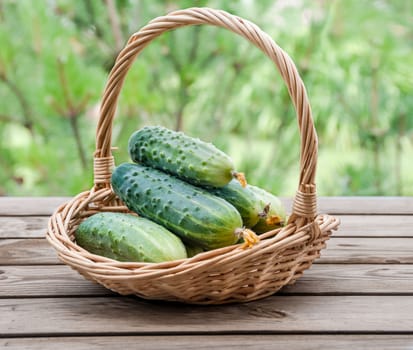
x: 355, y: 57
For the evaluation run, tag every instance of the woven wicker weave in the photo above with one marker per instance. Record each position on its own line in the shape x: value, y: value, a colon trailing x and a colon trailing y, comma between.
x: 225, y: 275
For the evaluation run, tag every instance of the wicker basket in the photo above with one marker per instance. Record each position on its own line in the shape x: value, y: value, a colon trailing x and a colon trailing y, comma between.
x: 225, y: 275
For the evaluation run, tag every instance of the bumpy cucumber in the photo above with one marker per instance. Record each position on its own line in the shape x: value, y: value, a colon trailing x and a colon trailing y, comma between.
x: 243, y: 199
x: 190, y: 159
x: 194, y: 214
x: 273, y: 215
x: 126, y: 237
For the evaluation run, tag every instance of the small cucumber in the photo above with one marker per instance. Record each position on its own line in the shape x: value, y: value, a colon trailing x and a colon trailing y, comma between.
x: 126, y: 237
x: 273, y: 214
x: 190, y: 159
x: 197, y: 216
x: 243, y: 199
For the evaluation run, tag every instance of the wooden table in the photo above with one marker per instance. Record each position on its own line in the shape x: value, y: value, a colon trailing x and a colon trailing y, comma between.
x: 358, y: 294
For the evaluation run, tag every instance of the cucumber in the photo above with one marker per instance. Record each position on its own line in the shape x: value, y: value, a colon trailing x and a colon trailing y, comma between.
x: 197, y: 216
x: 195, y: 161
x: 127, y: 237
x: 273, y: 212
x: 243, y: 199
x: 192, y: 250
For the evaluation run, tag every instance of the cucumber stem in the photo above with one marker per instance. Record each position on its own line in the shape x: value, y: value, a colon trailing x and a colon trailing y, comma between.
x: 249, y: 236
x: 265, y: 211
x: 240, y: 177
x: 273, y: 220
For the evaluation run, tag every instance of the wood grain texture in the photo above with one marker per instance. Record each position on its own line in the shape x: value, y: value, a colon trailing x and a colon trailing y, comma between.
x: 23, y: 226
x: 332, y: 205
x: 277, y: 314
x: 375, y: 226
x: 38, y: 281
x: 331, y: 279
x: 359, y: 290
x: 328, y: 279
x: 206, y: 342
x: 30, y: 251
x: 368, y: 251
x: 339, y: 251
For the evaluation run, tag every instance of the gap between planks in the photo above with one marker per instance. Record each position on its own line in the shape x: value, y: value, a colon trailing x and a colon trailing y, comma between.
x: 206, y: 342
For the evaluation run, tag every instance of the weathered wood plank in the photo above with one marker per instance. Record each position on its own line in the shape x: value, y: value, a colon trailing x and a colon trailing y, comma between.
x: 277, y: 314
x: 206, y: 342
x: 60, y: 280
x: 36, y: 251
x: 358, y: 279
x: 351, y: 225
x: 23, y: 226
x: 375, y: 226
x: 368, y: 251
x: 332, y: 205
x: 52, y: 280
x: 339, y: 251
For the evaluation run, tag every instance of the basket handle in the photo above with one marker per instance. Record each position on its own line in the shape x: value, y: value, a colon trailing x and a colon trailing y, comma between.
x: 305, y: 202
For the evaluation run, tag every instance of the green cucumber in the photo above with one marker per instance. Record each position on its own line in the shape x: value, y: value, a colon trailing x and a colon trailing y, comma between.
x: 273, y: 212
x: 243, y: 199
x: 192, y: 250
x: 127, y: 237
x: 176, y: 153
x: 197, y: 216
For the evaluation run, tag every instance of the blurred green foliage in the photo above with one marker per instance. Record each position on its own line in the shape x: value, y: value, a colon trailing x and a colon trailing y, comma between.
x: 355, y: 57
